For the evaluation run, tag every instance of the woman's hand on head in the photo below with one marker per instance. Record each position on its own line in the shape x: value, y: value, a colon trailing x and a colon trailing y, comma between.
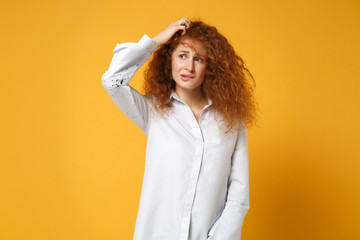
x: 167, y: 33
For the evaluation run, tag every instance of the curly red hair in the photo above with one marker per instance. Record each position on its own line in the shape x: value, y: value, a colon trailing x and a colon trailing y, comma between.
x: 226, y: 80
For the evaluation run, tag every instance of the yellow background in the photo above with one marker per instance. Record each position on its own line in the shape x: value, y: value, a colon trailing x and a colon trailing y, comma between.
x: 72, y: 164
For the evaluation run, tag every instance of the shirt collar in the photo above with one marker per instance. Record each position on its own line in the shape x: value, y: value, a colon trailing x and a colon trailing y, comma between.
x: 173, y: 95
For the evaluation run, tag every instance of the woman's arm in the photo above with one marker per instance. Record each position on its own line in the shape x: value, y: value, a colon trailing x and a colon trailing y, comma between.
x: 127, y: 59
x: 228, y: 225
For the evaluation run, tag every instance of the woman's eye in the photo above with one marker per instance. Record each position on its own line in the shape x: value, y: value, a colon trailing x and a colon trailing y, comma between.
x: 198, y: 59
x: 182, y: 56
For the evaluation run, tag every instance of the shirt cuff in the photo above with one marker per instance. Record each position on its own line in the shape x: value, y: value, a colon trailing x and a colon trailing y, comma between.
x: 148, y: 43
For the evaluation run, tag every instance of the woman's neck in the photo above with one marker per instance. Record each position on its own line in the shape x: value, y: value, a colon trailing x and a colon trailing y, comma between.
x: 193, y: 97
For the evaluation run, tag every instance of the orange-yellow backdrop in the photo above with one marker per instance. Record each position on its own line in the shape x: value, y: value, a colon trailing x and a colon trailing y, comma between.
x: 72, y: 163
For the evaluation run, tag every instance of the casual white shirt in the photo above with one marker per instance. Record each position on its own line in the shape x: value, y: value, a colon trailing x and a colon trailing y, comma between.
x: 196, y: 179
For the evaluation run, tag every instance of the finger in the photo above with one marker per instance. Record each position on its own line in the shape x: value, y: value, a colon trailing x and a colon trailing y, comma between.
x: 183, y: 30
x: 185, y: 21
x: 180, y: 21
x: 185, y: 24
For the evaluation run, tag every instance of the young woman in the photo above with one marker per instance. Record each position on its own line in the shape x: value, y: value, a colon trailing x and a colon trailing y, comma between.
x: 195, y: 112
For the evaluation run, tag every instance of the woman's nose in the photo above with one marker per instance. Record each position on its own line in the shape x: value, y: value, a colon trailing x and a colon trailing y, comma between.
x: 190, y: 65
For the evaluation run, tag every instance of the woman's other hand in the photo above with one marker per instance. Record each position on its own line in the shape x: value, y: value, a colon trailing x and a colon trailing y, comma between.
x: 168, y: 32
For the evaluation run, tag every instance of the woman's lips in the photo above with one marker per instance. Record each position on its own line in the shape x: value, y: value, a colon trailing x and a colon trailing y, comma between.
x: 186, y: 77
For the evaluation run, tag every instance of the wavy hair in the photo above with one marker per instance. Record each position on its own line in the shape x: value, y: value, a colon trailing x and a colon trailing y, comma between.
x: 226, y: 82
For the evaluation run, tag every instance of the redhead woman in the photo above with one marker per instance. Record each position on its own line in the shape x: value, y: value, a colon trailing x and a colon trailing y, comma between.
x: 197, y: 105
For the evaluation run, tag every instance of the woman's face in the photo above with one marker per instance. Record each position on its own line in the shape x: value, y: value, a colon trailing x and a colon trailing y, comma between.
x: 188, y: 65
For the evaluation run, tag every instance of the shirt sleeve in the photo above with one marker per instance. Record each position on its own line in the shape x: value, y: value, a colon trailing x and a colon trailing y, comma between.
x: 228, y: 225
x: 127, y: 59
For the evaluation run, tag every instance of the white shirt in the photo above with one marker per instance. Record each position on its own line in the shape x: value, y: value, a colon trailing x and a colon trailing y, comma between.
x: 196, y: 179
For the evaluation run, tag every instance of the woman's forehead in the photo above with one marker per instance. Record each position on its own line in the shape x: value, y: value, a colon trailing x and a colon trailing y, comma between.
x: 191, y: 45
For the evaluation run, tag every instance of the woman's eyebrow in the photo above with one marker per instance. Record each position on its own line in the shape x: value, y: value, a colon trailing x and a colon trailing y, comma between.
x: 196, y: 54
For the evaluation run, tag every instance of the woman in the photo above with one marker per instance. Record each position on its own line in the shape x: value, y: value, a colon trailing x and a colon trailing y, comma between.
x: 197, y: 105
